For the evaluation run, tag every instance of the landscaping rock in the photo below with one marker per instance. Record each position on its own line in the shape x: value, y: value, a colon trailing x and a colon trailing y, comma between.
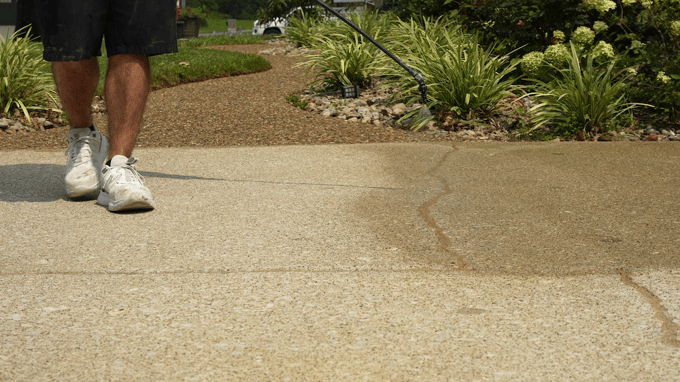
x: 651, y: 138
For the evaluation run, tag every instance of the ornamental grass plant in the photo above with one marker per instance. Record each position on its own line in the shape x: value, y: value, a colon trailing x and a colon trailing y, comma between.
x: 342, y: 55
x: 302, y: 29
x: 581, y: 99
x: 341, y: 60
x: 462, y: 76
x: 26, y: 81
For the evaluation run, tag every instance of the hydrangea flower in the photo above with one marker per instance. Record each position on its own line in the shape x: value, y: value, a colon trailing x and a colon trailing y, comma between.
x: 675, y: 28
x: 628, y: 2
x: 663, y: 77
x: 532, y: 64
x: 583, y: 36
x: 603, y: 51
x: 636, y: 45
x: 556, y: 55
x: 559, y: 36
x: 601, y: 6
x: 647, y: 3
x: 600, y: 26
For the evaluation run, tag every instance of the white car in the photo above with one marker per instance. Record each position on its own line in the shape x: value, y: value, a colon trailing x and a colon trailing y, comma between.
x: 276, y: 26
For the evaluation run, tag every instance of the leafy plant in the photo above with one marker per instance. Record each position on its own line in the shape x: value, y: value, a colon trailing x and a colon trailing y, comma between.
x: 296, y: 101
x: 302, y: 29
x: 25, y: 78
x: 581, y: 99
x: 342, y: 61
x: 463, y: 76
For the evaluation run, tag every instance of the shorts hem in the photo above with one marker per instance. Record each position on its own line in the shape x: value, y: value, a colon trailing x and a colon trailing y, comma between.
x: 147, y: 51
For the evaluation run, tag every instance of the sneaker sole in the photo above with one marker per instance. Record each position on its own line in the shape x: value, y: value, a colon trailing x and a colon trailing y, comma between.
x: 135, y: 201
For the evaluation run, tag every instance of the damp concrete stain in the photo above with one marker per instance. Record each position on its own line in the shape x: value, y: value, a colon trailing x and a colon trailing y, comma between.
x: 444, y: 242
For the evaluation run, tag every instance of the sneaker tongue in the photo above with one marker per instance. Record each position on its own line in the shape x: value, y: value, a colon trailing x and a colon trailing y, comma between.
x: 118, y: 160
x: 79, y: 132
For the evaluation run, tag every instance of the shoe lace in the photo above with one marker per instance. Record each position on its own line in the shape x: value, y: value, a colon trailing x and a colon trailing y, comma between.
x: 127, y: 173
x: 79, y: 150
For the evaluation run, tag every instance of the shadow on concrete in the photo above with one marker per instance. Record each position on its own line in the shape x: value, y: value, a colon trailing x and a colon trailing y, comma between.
x: 41, y: 183
x: 32, y: 182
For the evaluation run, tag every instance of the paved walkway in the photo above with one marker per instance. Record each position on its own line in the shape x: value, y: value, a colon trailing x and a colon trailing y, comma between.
x: 512, y: 261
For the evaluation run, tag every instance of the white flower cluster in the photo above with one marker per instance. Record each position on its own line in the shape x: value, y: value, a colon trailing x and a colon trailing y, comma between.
x: 583, y: 36
x: 663, y: 77
x: 600, y: 26
x: 675, y: 29
x: 602, y: 6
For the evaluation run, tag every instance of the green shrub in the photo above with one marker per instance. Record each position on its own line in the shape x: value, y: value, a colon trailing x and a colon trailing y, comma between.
x: 340, y: 61
x: 302, y: 29
x: 407, y: 36
x: 25, y: 78
x: 374, y: 24
x: 461, y: 75
x: 343, y: 56
x: 587, y: 99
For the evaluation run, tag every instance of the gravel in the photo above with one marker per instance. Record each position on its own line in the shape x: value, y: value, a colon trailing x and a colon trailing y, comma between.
x: 246, y: 110
x: 252, y: 110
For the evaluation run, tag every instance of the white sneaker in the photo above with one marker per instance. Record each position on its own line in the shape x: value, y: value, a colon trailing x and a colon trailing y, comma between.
x: 87, y: 150
x: 123, y: 188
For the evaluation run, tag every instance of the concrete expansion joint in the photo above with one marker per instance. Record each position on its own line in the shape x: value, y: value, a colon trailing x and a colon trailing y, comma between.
x: 669, y: 329
x: 425, y: 211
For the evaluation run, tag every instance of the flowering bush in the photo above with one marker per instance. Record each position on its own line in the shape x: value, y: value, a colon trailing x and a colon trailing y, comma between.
x: 600, y: 26
x: 532, y: 64
x: 602, y: 6
x: 557, y: 55
x: 583, y: 36
x: 603, y: 52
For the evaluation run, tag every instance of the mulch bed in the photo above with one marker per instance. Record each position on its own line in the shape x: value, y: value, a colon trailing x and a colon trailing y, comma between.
x: 246, y: 110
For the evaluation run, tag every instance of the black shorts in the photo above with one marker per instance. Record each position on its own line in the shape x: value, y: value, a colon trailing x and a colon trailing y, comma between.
x: 72, y: 30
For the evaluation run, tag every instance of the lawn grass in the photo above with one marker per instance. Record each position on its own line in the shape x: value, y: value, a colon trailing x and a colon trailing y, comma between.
x: 220, y: 25
x: 172, y: 69
x: 220, y: 40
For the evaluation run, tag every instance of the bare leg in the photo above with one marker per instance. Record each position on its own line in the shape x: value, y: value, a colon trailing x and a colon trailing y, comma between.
x: 126, y: 91
x: 76, y: 82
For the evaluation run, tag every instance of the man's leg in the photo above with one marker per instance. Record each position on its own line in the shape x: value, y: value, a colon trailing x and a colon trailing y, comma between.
x: 76, y: 82
x: 87, y: 148
x: 126, y: 91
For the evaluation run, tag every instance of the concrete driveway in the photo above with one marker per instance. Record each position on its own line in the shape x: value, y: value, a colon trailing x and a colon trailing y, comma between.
x: 496, y: 261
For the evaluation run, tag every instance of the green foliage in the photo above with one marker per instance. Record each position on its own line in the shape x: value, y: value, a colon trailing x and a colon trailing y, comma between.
x: 25, y: 78
x: 527, y: 24
x: 649, y: 32
x: 587, y: 99
x: 188, y: 13
x: 341, y: 60
x: 302, y: 29
x: 462, y: 76
x: 296, y: 101
x: 344, y: 56
x: 281, y: 8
